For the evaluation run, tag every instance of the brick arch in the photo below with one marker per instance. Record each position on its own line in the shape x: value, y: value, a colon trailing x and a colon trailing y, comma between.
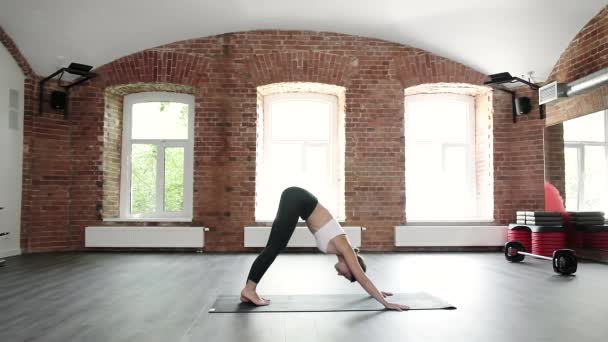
x: 130, y: 88
x: 301, y: 66
x: 155, y: 66
x: 422, y: 67
x: 223, y: 72
x: 586, y: 53
x: 12, y: 48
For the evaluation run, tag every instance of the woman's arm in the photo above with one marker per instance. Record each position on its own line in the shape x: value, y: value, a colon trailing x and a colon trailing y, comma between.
x: 346, y: 250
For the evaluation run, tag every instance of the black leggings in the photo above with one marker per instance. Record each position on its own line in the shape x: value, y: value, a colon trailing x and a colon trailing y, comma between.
x: 295, y: 202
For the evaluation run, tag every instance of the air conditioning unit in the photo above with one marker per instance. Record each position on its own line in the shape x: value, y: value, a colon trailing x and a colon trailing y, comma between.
x: 551, y: 92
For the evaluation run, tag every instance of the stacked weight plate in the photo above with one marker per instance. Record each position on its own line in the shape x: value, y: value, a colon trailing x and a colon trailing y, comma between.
x: 576, y: 237
x: 546, y: 239
x: 521, y: 232
x: 596, y: 239
x: 547, y: 231
x: 591, y: 225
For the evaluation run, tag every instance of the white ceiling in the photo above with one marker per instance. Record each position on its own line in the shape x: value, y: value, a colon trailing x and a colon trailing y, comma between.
x: 488, y: 35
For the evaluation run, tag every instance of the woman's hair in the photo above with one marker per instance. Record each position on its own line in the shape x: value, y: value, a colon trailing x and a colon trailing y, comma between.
x: 361, y: 263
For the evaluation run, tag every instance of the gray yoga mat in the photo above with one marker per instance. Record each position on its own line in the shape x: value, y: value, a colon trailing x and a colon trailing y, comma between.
x: 329, y: 303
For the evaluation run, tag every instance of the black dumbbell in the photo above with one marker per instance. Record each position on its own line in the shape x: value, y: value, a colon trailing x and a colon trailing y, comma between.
x: 564, y: 260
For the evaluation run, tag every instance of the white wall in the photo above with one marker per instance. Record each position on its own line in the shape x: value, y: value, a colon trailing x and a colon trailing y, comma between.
x: 11, y: 155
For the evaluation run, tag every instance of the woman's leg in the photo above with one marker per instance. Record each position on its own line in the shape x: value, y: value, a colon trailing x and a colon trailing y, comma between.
x: 295, y: 202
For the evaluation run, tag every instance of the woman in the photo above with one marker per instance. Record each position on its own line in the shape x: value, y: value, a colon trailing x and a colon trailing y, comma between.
x: 297, y: 202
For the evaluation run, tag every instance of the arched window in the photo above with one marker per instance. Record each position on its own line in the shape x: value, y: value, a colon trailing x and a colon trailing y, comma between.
x: 440, y: 157
x: 157, y: 153
x: 300, y: 143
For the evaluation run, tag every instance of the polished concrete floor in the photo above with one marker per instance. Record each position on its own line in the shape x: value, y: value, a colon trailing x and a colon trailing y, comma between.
x: 165, y: 297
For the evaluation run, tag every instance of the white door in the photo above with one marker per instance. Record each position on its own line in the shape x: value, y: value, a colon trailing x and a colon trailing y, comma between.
x: 11, y: 152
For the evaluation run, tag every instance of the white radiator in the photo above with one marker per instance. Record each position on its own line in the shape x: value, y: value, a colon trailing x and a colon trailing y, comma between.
x: 302, y: 237
x: 439, y: 236
x: 156, y: 237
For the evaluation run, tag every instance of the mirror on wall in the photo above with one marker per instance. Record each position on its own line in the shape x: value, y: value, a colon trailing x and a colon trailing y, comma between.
x: 576, y: 162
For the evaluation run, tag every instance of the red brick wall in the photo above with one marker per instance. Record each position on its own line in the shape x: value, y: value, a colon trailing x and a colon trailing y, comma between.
x: 587, y: 53
x: 573, y: 107
x: 224, y: 72
x: 47, y: 174
x: 46, y: 166
x: 518, y: 158
x: 554, y: 157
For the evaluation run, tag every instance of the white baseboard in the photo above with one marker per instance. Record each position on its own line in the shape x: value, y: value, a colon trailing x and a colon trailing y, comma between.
x: 10, y: 253
x: 450, y: 236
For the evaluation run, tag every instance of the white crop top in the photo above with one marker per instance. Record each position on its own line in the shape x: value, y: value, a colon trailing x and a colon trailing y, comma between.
x: 329, y: 231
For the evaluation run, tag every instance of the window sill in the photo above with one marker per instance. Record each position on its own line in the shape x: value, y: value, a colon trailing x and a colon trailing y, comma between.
x: 149, y: 219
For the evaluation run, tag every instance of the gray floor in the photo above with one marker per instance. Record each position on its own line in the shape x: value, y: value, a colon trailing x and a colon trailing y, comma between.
x: 165, y: 297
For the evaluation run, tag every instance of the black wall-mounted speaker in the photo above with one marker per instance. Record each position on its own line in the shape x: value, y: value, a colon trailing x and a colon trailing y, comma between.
x: 58, y: 100
x: 522, y: 105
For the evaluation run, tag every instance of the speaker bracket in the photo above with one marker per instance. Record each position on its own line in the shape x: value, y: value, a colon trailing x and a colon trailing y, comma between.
x: 504, y: 77
x: 78, y: 69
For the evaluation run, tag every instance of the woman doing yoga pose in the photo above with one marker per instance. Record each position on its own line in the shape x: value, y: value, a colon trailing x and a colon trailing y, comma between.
x: 330, y: 237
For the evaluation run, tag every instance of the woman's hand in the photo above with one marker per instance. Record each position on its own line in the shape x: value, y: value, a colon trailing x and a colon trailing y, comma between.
x: 392, y: 306
x: 396, y: 307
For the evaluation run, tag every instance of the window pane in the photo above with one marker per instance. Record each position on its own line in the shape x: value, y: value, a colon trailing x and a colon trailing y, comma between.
x: 586, y: 128
x: 160, y: 120
x: 430, y: 118
x: 318, y: 175
x: 420, y: 121
x: 300, y: 120
x: 298, y: 150
x: 455, y: 162
x: 439, y: 170
x: 423, y: 167
x: 287, y: 163
x: 458, y: 187
x: 317, y: 162
x: 174, y: 179
x: 572, y: 183
x: 285, y: 169
x: 143, y: 178
x: 595, y: 192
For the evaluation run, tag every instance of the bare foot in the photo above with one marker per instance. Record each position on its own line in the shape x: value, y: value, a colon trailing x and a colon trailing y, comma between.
x: 250, y: 296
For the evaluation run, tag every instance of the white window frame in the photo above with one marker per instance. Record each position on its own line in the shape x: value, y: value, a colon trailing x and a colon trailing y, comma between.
x: 580, y: 154
x: 187, y: 144
x: 469, y: 145
x: 334, y: 141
